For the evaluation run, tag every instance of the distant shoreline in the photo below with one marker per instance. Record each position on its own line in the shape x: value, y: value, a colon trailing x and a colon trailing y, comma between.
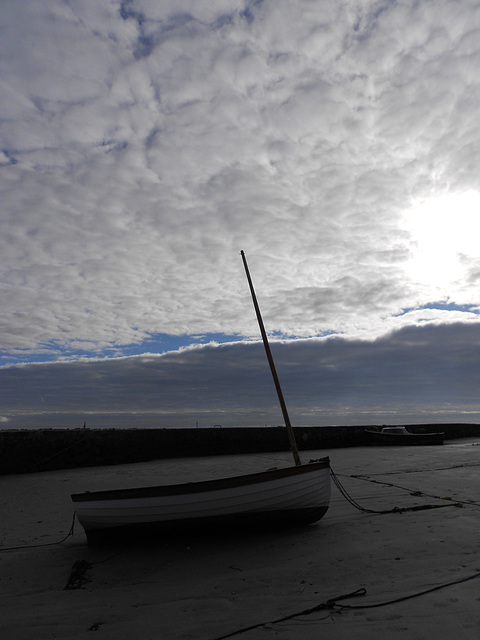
x: 34, y: 450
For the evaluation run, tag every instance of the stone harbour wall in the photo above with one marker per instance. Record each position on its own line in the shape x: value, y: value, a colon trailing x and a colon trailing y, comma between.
x: 29, y: 451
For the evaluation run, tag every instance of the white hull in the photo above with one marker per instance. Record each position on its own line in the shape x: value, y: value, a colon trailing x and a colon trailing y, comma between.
x: 401, y: 436
x: 295, y: 495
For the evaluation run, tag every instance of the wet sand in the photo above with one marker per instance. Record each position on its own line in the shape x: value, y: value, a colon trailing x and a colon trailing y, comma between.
x: 210, y: 587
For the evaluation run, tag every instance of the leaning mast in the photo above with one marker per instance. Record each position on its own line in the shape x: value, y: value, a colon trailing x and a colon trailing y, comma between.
x: 291, y: 435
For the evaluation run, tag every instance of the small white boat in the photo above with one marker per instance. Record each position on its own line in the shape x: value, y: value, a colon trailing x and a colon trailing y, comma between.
x: 400, y: 435
x: 291, y: 496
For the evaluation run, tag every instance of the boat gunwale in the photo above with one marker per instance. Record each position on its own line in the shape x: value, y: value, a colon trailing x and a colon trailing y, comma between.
x: 201, y: 486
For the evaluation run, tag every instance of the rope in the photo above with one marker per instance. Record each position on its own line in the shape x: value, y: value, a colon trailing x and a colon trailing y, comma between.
x: 329, y: 604
x: 334, y: 607
x: 419, y: 493
x: 413, y: 595
x: 355, y: 504
x: 44, y: 544
x: 40, y: 462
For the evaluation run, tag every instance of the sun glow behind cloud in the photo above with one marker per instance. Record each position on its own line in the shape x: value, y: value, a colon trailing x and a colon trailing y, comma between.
x: 445, y: 232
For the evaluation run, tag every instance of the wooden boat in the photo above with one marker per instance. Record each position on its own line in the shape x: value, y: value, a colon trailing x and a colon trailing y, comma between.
x: 400, y: 435
x: 290, y: 496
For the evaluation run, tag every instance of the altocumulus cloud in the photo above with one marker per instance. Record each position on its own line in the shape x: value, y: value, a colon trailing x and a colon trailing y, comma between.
x: 143, y: 144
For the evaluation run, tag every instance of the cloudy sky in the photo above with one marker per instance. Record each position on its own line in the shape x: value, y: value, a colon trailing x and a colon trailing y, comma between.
x: 143, y: 144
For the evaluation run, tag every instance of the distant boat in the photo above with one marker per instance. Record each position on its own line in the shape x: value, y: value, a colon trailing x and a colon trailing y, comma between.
x: 400, y: 435
x: 296, y: 495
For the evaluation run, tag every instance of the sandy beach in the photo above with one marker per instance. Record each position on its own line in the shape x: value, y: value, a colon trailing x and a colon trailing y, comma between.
x: 211, y: 587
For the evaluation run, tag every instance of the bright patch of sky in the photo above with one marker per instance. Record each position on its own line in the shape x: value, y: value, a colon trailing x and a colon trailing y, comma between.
x: 444, y: 306
x: 161, y: 343
x: 444, y: 232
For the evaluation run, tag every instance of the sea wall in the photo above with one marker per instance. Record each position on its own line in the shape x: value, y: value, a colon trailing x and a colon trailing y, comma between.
x: 27, y: 451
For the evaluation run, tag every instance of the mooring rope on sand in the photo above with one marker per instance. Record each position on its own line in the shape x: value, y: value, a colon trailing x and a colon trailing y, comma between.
x: 43, y: 544
x: 333, y: 605
x: 416, y: 493
x: 355, y: 504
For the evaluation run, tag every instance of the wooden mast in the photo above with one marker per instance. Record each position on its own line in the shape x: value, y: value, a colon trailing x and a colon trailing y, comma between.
x: 291, y: 435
